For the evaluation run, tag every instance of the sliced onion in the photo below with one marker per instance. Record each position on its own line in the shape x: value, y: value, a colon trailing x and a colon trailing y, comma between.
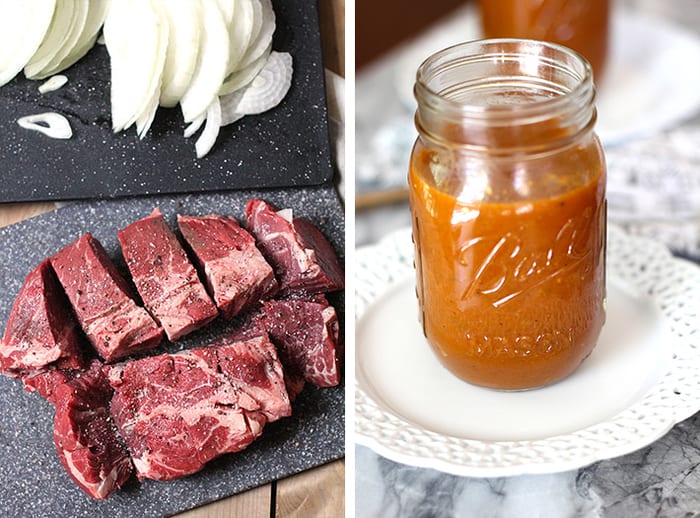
x: 55, y: 36
x: 211, y: 129
x: 81, y: 9
x: 136, y: 35
x: 97, y: 10
x: 185, y: 26
x: 263, y: 38
x: 240, y: 32
x: 53, y: 83
x: 228, y: 9
x: 211, y: 66
x: 254, y: 30
x: 242, y: 77
x: 51, y: 124
x: 194, y: 126
x: 23, y: 27
x: 263, y: 93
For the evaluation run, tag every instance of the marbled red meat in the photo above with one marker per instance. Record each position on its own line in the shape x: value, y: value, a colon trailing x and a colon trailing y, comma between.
x: 179, y: 411
x: 101, y: 299
x: 40, y: 330
x: 306, y: 333
x: 303, y: 259
x: 165, y: 277
x: 236, y: 272
x: 86, y: 439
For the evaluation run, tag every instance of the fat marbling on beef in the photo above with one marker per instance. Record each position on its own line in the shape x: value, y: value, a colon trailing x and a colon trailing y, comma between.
x: 236, y: 272
x: 178, y: 411
x: 306, y: 333
x: 40, y: 330
x: 101, y: 299
x: 164, y: 276
x: 303, y: 259
x: 86, y: 439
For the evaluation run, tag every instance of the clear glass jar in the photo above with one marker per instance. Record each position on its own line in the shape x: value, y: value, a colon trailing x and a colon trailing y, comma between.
x: 507, y: 191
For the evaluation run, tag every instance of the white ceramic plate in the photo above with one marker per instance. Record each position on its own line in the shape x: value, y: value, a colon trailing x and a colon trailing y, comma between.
x: 642, y: 378
x: 651, y: 82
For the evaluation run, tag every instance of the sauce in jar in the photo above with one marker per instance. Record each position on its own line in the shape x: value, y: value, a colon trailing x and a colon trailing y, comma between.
x: 582, y: 25
x: 508, y: 205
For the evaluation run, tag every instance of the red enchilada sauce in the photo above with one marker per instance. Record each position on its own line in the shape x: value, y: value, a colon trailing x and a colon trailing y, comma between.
x: 509, y: 245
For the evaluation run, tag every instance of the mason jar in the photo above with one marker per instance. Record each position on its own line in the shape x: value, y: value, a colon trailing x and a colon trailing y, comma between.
x: 507, y: 192
x: 581, y: 25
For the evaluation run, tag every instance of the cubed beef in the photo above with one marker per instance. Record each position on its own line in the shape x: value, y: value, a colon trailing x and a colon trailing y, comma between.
x: 87, y: 441
x: 306, y: 334
x: 252, y: 327
x: 236, y: 272
x: 165, y: 277
x: 179, y: 411
x: 302, y: 258
x: 101, y: 299
x: 41, y: 330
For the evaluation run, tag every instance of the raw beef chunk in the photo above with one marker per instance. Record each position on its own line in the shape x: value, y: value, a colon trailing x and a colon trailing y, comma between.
x: 87, y: 441
x: 101, y: 300
x: 41, y: 330
x: 165, y: 277
x: 237, y: 274
x: 306, y: 334
x: 179, y: 411
x: 46, y: 382
x: 302, y: 258
x: 252, y: 327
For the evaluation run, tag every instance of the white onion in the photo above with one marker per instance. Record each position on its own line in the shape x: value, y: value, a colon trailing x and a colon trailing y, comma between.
x: 51, y: 124
x: 263, y: 39
x: 211, y: 129
x: 53, y: 83
x: 211, y: 67
x: 193, y: 126
x: 263, y: 93
x: 23, y: 26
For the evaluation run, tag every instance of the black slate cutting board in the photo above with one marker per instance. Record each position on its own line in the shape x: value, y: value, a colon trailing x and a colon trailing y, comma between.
x: 287, y: 146
x: 32, y: 481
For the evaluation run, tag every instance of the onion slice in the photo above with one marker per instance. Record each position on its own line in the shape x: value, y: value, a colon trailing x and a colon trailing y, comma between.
x: 184, y: 35
x: 240, y: 32
x: 263, y: 39
x: 194, y: 126
x: 52, y: 84
x: 211, y: 129
x: 51, y: 124
x: 71, y: 39
x: 211, y: 67
x: 67, y: 15
x: 136, y: 35
x: 23, y: 27
x: 97, y: 10
x: 263, y: 93
x: 242, y: 77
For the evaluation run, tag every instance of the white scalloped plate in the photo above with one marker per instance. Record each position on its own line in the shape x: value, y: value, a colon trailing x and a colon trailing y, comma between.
x: 642, y: 378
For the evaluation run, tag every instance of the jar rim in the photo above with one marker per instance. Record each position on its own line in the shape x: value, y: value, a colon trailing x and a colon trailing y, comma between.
x: 568, y: 61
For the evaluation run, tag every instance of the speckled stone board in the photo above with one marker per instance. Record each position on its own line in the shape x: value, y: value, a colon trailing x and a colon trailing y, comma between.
x: 32, y: 480
x: 287, y: 146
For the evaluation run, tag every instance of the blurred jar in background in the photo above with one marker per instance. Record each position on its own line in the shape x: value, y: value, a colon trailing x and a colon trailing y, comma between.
x: 582, y: 25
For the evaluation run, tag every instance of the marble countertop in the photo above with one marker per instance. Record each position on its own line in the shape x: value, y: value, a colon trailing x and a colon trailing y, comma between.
x: 662, y: 479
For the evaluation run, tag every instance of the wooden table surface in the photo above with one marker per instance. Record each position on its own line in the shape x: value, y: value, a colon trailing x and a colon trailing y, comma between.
x: 319, y: 492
